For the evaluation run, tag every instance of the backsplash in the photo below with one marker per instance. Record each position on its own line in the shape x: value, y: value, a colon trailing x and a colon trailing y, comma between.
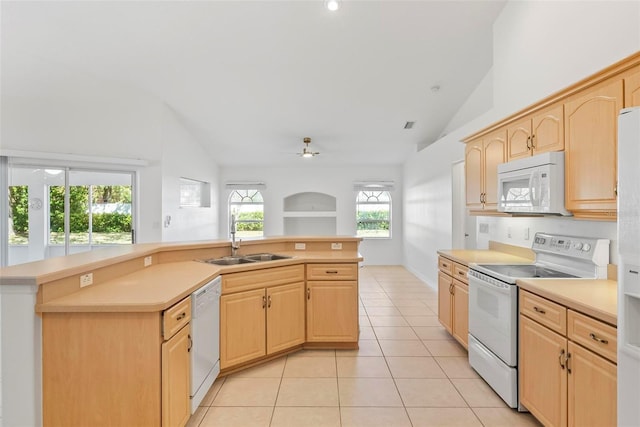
x: 519, y: 231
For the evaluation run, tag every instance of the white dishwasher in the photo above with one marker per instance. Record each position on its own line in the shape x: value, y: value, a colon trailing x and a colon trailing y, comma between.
x: 205, y: 333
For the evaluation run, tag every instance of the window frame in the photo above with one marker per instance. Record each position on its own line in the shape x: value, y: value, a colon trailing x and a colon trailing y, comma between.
x: 232, y: 211
x: 389, y: 203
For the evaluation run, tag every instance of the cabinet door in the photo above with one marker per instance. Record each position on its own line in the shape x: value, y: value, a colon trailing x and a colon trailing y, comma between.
x: 461, y: 312
x: 444, y: 300
x: 548, y: 130
x: 176, y: 379
x: 495, y: 152
x: 519, y: 139
x: 592, y: 389
x: 473, y: 160
x: 285, y: 317
x: 591, y: 149
x: 542, y: 375
x: 632, y: 90
x: 332, y: 311
x: 242, y: 327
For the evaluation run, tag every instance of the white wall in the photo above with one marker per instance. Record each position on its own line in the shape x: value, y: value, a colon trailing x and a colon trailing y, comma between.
x: 539, y: 48
x: 94, y: 117
x: 335, y: 181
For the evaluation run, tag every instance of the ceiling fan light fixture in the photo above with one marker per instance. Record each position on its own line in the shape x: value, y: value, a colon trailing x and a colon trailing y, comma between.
x: 332, y: 5
x: 306, y: 153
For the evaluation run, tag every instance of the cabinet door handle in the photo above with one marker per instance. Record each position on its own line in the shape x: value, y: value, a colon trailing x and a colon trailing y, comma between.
x: 567, y: 360
x: 445, y: 265
x: 533, y: 138
x: 308, y: 293
x: 560, y: 358
x: 539, y: 310
x: 597, y: 338
x: 190, y: 344
x: 264, y: 301
x: 462, y: 273
x: 528, y: 143
x: 181, y: 316
x: 331, y: 271
x: 269, y: 303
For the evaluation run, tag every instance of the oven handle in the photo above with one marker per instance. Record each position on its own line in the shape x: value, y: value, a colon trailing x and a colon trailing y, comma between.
x: 497, y: 287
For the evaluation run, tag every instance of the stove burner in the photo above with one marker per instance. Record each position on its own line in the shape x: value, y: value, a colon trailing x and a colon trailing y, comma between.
x: 526, y: 270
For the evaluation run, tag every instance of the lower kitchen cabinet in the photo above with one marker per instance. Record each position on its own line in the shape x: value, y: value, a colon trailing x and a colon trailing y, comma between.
x: 453, y: 299
x: 122, y: 369
x: 332, y: 303
x: 561, y: 382
x: 332, y: 311
x: 176, y: 379
x: 260, y: 322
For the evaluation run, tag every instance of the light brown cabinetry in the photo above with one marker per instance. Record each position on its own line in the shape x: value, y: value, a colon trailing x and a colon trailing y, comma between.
x: 632, y: 88
x: 591, y: 150
x: 453, y: 299
x: 561, y: 382
x: 482, y: 158
x: 538, y: 133
x: 263, y: 321
x: 332, y: 303
x: 142, y: 358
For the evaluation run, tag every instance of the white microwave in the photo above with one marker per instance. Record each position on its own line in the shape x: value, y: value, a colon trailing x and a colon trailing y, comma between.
x: 534, y: 185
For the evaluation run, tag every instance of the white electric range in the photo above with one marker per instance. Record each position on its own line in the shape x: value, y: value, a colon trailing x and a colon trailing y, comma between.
x: 493, y: 302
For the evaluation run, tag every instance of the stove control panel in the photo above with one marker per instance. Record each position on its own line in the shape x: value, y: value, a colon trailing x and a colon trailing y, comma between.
x: 586, y: 248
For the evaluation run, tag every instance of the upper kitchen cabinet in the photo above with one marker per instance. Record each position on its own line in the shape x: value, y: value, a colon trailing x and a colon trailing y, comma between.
x: 482, y: 157
x: 632, y: 88
x: 537, y: 133
x: 591, y: 119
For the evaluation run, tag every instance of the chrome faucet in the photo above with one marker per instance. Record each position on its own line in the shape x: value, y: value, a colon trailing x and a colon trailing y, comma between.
x: 234, y: 246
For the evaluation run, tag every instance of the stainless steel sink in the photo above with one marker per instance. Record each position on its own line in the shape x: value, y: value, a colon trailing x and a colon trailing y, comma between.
x: 246, y: 259
x: 266, y: 257
x: 229, y: 260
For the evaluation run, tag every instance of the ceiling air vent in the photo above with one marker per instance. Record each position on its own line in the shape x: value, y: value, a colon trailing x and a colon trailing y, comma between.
x: 409, y: 125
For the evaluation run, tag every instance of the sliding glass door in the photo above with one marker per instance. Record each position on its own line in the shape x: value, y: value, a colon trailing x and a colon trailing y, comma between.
x: 55, y: 211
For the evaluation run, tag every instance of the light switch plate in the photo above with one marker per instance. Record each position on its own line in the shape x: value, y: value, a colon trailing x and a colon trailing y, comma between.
x: 148, y: 261
x: 301, y: 246
x: 336, y: 246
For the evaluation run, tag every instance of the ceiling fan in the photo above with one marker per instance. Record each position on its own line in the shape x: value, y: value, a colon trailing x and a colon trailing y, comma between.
x: 306, y: 153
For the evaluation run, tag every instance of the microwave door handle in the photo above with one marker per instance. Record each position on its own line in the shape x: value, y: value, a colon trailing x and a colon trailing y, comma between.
x: 535, y: 186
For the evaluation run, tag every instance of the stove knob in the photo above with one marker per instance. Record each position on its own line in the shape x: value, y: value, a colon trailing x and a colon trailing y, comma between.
x: 586, y: 247
x: 577, y: 246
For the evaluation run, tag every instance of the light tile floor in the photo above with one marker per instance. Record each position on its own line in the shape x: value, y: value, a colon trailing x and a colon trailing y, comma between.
x: 408, y: 371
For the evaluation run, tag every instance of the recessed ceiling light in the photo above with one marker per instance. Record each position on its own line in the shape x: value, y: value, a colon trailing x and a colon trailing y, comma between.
x: 332, y: 5
x: 409, y: 125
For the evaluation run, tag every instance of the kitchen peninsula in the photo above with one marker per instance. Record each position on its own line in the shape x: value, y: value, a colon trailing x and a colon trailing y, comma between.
x: 98, y: 353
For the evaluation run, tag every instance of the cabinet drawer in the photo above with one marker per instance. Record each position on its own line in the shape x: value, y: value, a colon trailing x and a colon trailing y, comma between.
x: 550, y: 314
x: 332, y: 271
x: 592, y: 334
x: 263, y: 278
x: 175, y: 317
x: 445, y: 265
x: 460, y: 272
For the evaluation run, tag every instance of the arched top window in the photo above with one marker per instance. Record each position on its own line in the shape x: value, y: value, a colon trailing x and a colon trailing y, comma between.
x: 373, y: 214
x: 248, y: 207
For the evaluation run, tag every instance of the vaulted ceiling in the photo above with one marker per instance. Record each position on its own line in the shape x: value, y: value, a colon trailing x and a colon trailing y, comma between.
x: 250, y: 79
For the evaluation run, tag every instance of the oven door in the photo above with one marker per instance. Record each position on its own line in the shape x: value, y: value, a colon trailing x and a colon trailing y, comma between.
x: 493, y: 311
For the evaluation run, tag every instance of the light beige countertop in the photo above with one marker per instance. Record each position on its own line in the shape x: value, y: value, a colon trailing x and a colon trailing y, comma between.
x: 486, y: 256
x: 595, y: 298
x: 122, y: 281
x: 159, y: 286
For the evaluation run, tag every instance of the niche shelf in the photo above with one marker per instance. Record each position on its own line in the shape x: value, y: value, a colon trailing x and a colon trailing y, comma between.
x: 309, y: 213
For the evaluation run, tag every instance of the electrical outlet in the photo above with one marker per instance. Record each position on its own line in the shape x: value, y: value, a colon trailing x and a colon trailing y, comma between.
x: 336, y: 246
x: 509, y: 232
x: 484, y: 228
x: 86, y: 280
x: 301, y: 246
x: 526, y: 233
x: 148, y: 261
